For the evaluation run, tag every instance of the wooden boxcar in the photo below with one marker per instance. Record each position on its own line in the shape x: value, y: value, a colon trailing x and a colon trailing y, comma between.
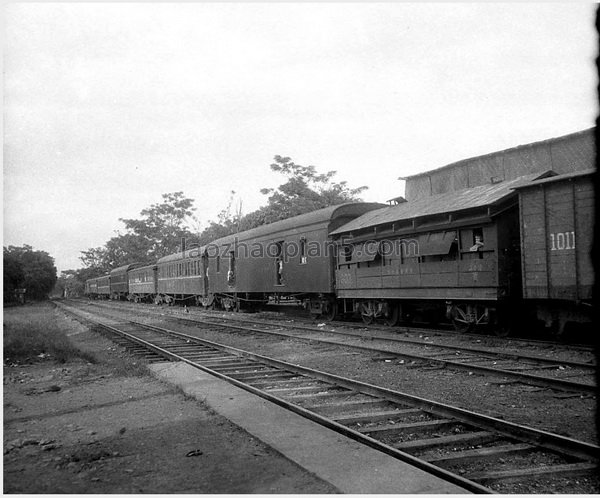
x: 103, y: 286
x: 454, y: 254
x: 142, y: 283
x: 182, y: 276
x: 119, y: 284
x: 557, y: 226
x: 290, y: 258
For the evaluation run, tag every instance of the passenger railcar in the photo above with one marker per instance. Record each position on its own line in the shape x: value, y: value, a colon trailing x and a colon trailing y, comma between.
x: 182, y: 277
x: 291, y: 258
x: 142, y: 283
x: 119, y: 283
x: 91, y: 288
x: 103, y: 286
x: 455, y: 254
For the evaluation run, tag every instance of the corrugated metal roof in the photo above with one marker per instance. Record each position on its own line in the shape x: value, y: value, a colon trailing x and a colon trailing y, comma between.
x: 564, y: 142
x: 556, y: 178
x: 480, y: 196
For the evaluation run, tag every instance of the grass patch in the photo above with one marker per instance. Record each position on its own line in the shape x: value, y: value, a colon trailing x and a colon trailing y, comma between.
x: 31, y: 333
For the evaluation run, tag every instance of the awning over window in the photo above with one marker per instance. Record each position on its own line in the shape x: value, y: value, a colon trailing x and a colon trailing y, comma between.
x: 368, y: 251
x: 436, y: 243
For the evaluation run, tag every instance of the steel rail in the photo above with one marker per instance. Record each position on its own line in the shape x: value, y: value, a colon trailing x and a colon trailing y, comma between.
x: 439, y: 332
x: 537, y: 380
x: 527, y: 378
x: 504, y: 354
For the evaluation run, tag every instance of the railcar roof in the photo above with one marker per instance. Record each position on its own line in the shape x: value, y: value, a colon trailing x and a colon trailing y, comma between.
x: 475, y: 197
x: 145, y: 267
x: 196, y: 252
x: 302, y: 220
x: 125, y: 268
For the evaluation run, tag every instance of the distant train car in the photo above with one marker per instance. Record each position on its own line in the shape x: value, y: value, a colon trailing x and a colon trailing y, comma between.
x: 103, y: 286
x: 557, y: 226
x: 143, y: 284
x: 182, y: 277
x: 290, y: 258
x: 119, y: 284
x: 453, y: 254
x: 91, y: 288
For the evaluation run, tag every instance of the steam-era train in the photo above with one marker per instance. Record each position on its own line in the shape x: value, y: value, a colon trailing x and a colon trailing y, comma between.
x: 486, y: 241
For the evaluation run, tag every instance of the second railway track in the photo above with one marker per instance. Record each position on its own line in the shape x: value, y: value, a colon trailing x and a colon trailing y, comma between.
x: 554, y: 373
x: 477, y: 452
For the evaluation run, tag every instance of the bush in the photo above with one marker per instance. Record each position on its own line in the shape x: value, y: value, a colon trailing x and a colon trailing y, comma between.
x: 32, y: 334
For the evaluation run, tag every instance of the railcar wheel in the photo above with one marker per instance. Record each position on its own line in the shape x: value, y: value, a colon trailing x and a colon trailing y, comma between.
x: 330, y: 310
x: 391, y: 315
x: 367, y: 312
x: 501, y: 330
x: 461, y: 319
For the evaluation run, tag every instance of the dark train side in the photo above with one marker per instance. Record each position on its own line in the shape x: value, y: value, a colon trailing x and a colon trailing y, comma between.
x: 479, y: 242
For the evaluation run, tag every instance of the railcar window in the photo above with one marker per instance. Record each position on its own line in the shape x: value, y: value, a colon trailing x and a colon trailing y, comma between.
x: 302, y: 251
x: 279, y: 262
x: 218, y: 264
x: 347, y: 254
x: 231, y: 271
x: 478, y: 244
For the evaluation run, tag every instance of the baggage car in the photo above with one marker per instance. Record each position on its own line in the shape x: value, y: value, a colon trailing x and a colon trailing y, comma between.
x: 557, y: 229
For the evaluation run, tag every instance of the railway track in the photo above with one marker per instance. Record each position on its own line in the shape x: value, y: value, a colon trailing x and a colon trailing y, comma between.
x: 532, y: 370
x: 441, y: 333
x: 479, y: 453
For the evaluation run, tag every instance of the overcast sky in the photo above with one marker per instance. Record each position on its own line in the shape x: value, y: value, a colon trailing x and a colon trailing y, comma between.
x: 109, y: 105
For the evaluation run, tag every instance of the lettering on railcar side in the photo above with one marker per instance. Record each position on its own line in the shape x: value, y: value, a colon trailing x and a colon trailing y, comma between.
x: 562, y: 241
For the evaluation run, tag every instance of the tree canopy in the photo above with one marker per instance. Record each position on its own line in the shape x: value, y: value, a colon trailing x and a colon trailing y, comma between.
x: 157, y: 233
x: 28, y: 269
x: 304, y: 191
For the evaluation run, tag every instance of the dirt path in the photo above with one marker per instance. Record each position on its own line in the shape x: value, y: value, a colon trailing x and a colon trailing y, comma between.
x: 111, y: 428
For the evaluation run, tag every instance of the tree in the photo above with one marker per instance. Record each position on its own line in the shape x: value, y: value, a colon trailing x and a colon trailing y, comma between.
x: 13, y: 275
x: 305, y: 190
x: 95, y: 259
x: 160, y: 231
x: 29, y: 269
x: 226, y: 224
x: 69, y: 285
